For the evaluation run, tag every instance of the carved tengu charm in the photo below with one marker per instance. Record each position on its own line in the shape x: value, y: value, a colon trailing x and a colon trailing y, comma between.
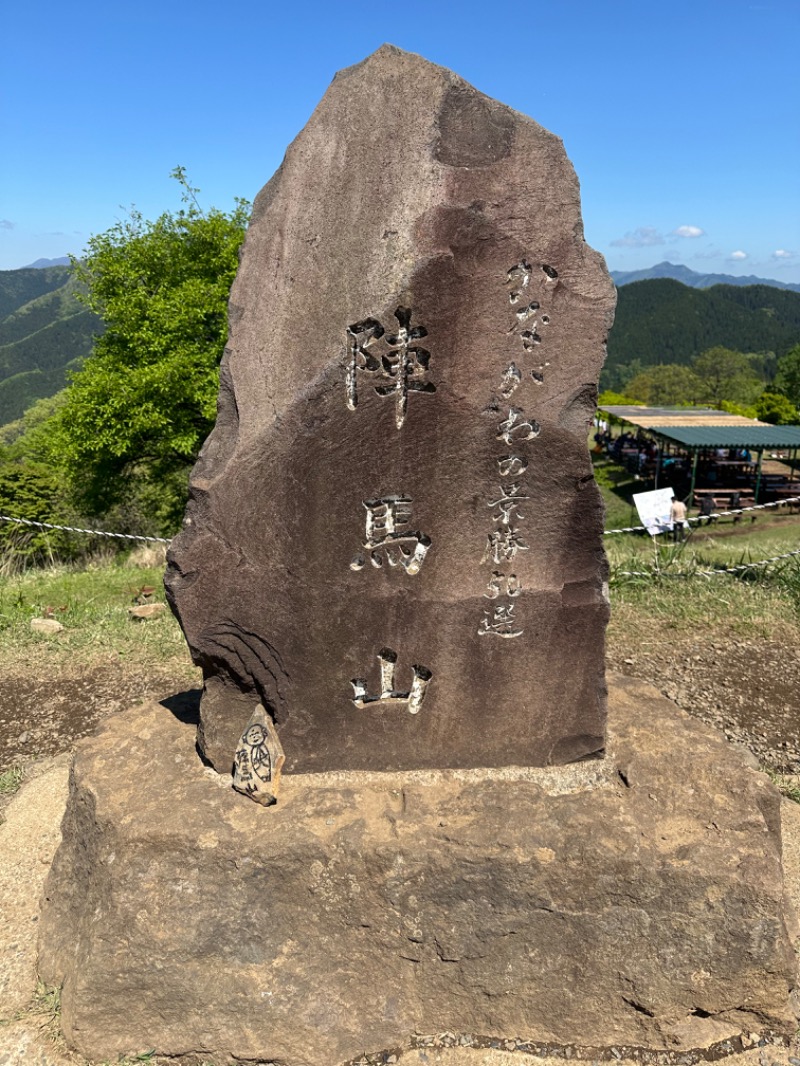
x: 259, y: 759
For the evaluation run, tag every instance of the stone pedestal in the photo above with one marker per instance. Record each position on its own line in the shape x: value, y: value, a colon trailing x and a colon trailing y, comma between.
x: 635, y: 901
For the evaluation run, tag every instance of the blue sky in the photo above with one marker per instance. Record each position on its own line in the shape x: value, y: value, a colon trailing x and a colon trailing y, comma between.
x: 681, y: 118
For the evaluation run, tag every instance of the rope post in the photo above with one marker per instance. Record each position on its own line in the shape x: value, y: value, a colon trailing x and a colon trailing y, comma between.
x: 658, y: 460
x: 694, y: 477
x: 758, y: 473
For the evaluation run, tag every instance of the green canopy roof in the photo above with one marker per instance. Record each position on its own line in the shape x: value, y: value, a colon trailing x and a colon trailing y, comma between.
x: 754, y: 437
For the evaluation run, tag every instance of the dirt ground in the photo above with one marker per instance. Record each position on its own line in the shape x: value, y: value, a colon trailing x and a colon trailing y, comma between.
x: 45, y: 716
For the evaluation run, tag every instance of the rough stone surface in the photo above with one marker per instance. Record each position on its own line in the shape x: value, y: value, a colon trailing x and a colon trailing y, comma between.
x: 46, y: 625
x: 31, y: 835
x: 399, y: 461
x: 146, y: 610
x: 636, y: 901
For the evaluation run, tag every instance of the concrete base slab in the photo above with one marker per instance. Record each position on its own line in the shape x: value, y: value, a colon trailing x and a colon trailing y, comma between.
x: 632, y: 902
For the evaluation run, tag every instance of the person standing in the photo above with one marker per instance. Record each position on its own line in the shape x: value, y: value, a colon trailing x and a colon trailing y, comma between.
x: 677, y: 515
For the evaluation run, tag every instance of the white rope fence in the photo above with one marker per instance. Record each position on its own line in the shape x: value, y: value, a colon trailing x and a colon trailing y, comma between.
x: 167, y: 540
x: 705, y: 573
x: 714, y: 514
x: 75, y: 529
x: 608, y: 532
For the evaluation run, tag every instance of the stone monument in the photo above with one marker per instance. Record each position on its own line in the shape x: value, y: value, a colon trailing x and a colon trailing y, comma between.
x: 391, y: 573
x: 394, y: 538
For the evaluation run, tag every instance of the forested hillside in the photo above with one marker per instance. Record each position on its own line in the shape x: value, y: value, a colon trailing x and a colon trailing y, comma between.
x: 44, y: 332
x: 663, y: 321
x: 18, y: 287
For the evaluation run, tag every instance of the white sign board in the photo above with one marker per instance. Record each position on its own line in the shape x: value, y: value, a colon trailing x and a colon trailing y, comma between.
x: 655, y: 510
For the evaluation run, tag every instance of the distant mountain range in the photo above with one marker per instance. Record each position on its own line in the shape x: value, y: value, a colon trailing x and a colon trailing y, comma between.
x: 44, y: 333
x: 692, y: 278
x: 41, y: 264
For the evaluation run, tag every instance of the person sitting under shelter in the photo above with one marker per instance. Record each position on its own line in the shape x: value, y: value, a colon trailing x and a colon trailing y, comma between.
x: 707, y: 508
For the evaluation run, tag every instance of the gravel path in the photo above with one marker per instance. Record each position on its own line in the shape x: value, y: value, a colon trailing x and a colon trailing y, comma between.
x: 750, y: 689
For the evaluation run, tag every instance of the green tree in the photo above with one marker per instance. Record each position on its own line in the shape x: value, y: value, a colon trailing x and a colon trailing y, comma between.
x: 787, y: 377
x: 777, y: 409
x: 138, y: 411
x: 33, y: 491
x: 615, y: 399
x: 615, y: 378
x: 745, y: 410
x: 666, y: 386
x: 726, y: 375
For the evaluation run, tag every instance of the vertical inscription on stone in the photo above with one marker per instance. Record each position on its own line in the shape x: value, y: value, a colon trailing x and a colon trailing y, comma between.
x: 399, y: 365
x: 518, y: 429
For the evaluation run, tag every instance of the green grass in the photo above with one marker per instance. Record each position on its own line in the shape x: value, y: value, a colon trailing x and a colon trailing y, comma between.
x: 709, y: 547
x: 787, y: 786
x: 762, y: 601
x: 92, y: 604
x: 44, y: 1009
x: 10, y: 780
x: 617, y: 487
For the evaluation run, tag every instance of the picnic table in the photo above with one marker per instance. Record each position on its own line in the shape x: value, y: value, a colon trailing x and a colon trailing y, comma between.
x: 728, y: 464
x: 784, y: 493
x: 725, y: 499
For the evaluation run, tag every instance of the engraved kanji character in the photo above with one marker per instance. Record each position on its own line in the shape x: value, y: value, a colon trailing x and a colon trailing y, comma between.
x: 508, y: 504
x: 500, y: 622
x: 503, y: 544
x: 412, y: 699
x: 387, y: 536
x: 403, y: 366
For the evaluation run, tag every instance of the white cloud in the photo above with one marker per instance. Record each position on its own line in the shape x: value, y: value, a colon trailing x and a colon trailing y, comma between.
x: 781, y: 253
x: 688, y: 231
x: 6, y: 224
x: 643, y: 237
x: 738, y: 256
